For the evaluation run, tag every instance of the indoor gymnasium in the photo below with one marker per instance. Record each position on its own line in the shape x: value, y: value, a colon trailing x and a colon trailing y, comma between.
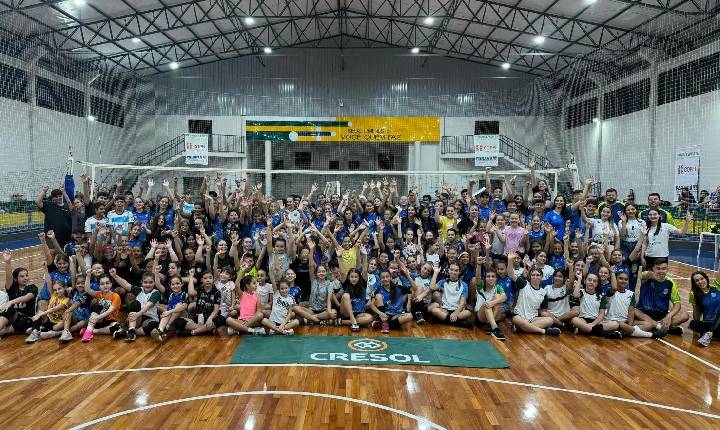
x: 345, y: 214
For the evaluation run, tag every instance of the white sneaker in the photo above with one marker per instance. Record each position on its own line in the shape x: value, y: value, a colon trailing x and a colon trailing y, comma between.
x: 49, y: 334
x: 232, y: 331
x: 257, y: 331
x: 66, y: 336
x: 289, y: 332
x: 34, y: 336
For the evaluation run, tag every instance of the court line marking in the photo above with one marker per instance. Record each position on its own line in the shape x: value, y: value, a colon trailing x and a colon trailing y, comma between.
x: 419, y: 419
x: 381, y: 369
x: 691, y: 265
x: 690, y: 354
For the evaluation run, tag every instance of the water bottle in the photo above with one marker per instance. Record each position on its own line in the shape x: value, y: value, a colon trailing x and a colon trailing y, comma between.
x: 201, y: 319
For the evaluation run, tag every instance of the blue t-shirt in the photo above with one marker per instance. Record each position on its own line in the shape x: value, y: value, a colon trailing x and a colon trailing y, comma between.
x: 656, y: 296
x: 82, y: 313
x: 558, y: 222
x: 393, y: 307
x: 176, y: 299
x: 711, y: 303
x: 507, y: 285
x: 557, y: 261
x: 484, y: 212
x: 357, y: 303
x: 537, y: 236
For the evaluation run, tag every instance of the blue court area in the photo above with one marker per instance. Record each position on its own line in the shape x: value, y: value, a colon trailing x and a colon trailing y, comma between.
x: 13, y: 243
x: 689, y: 256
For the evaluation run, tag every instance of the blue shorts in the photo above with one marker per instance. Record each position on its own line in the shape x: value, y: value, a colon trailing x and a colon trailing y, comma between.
x: 44, y: 293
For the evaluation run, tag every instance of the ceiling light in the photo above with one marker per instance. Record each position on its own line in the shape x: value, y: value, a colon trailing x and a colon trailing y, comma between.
x: 429, y: 20
x: 174, y: 65
x: 79, y: 2
x: 415, y: 50
x: 249, y: 20
x: 267, y: 50
x: 506, y: 66
x: 539, y: 39
x: 91, y: 118
x: 136, y: 40
x: 596, y: 120
x: 590, y: 1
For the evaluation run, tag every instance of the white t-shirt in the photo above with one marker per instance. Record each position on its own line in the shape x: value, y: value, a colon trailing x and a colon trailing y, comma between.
x: 91, y: 223
x: 529, y: 300
x: 424, y: 285
x: 618, y: 305
x: 280, y: 308
x: 598, y: 227
x: 657, y: 245
x: 226, y: 296
x: 123, y: 219
x: 633, y: 228
x: 452, y: 291
x: 264, y: 291
x: 558, y: 301
x: 590, y: 304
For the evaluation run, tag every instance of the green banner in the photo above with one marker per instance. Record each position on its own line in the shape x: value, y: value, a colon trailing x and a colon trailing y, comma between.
x: 372, y: 351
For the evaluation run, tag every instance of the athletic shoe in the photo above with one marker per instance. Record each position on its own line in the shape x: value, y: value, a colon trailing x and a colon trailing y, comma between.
x: 257, y: 331
x: 130, y: 336
x: 66, y: 336
x: 705, y: 339
x: 232, y: 331
x: 662, y: 331
x: 34, y: 336
x: 385, y: 327
x: 376, y: 325
x: 659, y: 334
x: 338, y: 322
x: 29, y: 330
x: 614, y: 334
x: 513, y: 328
x: 419, y: 317
x: 354, y: 327
x: 676, y: 330
x: 49, y: 334
x: 498, y: 334
x: 87, y: 335
x: 156, y: 335
x: 597, y: 330
x: 288, y: 332
x: 325, y: 322
x: 311, y: 322
x: 119, y: 334
x: 552, y: 331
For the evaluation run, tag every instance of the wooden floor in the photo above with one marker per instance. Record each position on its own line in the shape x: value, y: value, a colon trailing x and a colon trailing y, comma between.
x: 566, y: 382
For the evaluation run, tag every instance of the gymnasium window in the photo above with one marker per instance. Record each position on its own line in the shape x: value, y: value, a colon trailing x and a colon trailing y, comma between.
x: 581, y: 113
x: 303, y: 160
x: 333, y: 165
x: 386, y: 161
x: 107, y: 112
x: 487, y: 127
x: 689, y: 80
x: 59, y: 97
x: 353, y: 165
x: 628, y: 99
x: 200, y: 126
x: 13, y: 83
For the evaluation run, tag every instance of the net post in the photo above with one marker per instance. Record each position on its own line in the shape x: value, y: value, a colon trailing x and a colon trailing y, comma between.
x: 268, y: 167
x: 92, y: 182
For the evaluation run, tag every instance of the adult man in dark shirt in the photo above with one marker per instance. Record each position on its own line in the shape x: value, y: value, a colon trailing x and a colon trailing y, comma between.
x: 57, y: 215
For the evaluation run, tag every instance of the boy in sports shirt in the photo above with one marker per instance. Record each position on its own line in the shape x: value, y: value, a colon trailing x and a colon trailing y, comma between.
x: 143, y: 316
x: 654, y: 295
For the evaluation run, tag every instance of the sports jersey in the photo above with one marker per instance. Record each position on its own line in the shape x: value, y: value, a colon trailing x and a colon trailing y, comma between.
x: 618, y: 304
x: 177, y: 299
x: 710, y: 302
x: 107, y: 300
x: 319, y: 292
x: 507, y: 285
x: 247, y: 305
x: 206, y: 301
x: 227, y: 291
x: 529, y: 299
x: 57, y: 316
x: 82, y: 312
x: 445, y: 224
x: 281, y: 307
x: 392, y: 307
x: 483, y: 295
x: 452, y: 292
x: 557, y: 221
x: 143, y: 297
x: 347, y: 260
x: 537, y: 235
x: 264, y: 291
x: 26, y: 308
x: 657, y: 295
x: 557, y: 300
x: 423, y: 284
x: 591, y: 303
x: 557, y: 262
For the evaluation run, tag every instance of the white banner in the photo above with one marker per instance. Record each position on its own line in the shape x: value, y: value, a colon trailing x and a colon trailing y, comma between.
x: 687, y: 170
x: 487, y: 150
x: 196, y: 149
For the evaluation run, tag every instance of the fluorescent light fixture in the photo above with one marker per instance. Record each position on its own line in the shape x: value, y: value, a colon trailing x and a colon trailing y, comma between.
x: 267, y: 50
x: 174, y: 65
x: 415, y: 50
x: 79, y: 3
x: 136, y: 40
x: 505, y: 66
x: 539, y: 39
x: 249, y: 20
x: 590, y: 1
x: 429, y: 20
x: 91, y: 118
x: 596, y: 120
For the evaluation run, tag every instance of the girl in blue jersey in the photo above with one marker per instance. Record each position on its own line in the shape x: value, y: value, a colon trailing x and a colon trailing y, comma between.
x: 354, y: 301
x: 388, y: 304
x: 705, y: 300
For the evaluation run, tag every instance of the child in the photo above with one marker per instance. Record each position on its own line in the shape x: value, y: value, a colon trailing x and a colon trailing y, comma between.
x: 105, y: 312
x: 59, y: 270
x: 265, y: 290
x: 143, y: 316
x: 77, y: 315
x: 593, y: 305
x: 557, y: 301
x: 529, y: 298
x: 16, y: 314
x: 207, y: 310
x: 354, y: 301
x: 620, y: 311
x: 50, y: 319
x: 282, y: 319
x: 388, y: 304
x: 249, y: 312
x: 226, y: 286
x: 489, y: 299
x: 319, y: 308
x: 421, y: 294
x: 454, y: 297
x: 177, y: 303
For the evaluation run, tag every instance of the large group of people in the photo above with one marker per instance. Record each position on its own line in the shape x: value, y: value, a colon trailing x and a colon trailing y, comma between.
x: 227, y: 259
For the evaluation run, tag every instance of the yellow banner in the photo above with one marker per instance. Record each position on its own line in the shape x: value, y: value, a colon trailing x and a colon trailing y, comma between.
x: 345, y: 129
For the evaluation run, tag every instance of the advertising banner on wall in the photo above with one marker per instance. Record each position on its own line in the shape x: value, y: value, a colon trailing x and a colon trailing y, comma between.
x: 344, y: 129
x: 487, y: 150
x: 687, y: 170
x: 196, y: 149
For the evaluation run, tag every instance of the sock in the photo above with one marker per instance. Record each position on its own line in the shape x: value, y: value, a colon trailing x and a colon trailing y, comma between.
x: 638, y: 332
x: 493, y: 325
x: 543, y: 331
x: 658, y: 326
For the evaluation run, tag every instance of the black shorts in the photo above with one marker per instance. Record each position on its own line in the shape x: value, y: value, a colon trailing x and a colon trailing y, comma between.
x: 219, y: 321
x: 22, y: 323
x: 589, y: 320
x: 655, y: 315
x: 105, y: 323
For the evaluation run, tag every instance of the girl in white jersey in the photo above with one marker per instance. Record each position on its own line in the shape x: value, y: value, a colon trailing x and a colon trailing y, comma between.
x: 619, y: 319
x: 593, y: 305
x: 530, y: 297
x: 265, y: 291
x: 282, y: 318
x: 489, y: 299
x: 557, y: 301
